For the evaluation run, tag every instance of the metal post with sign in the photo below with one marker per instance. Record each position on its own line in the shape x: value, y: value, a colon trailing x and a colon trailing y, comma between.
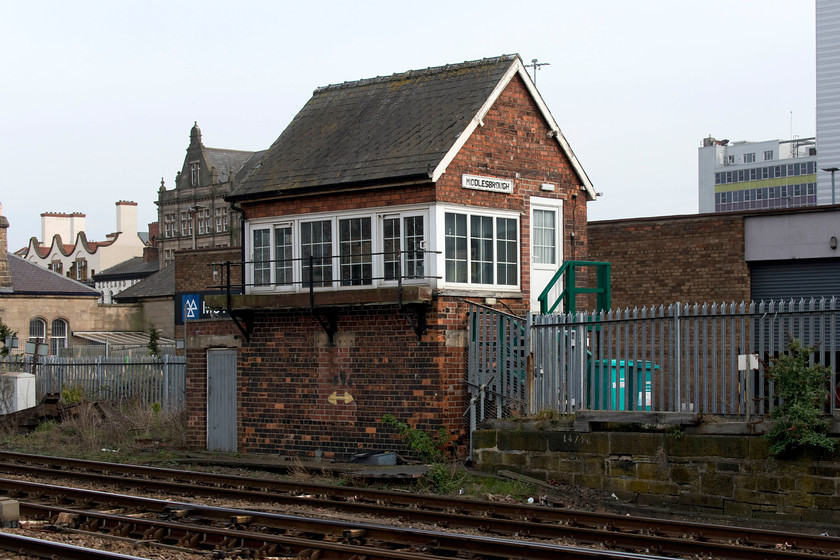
x: 36, y: 349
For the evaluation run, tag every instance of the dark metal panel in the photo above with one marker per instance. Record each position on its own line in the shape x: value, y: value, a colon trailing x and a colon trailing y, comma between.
x: 796, y: 279
x: 221, y: 400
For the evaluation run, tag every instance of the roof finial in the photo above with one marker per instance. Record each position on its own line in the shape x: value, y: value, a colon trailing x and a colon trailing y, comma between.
x: 195, y: 134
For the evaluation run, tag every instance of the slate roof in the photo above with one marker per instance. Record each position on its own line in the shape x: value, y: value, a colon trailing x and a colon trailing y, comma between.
x: 392, y: 128
x: 226, y: 160
x: 159, y: 284
x: 132, y: 268
x: 31, y: 279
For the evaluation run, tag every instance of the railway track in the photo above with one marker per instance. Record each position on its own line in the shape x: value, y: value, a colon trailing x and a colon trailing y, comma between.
x: 622, y: 533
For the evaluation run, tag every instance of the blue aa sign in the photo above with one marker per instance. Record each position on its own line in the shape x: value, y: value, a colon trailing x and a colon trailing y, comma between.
x: 190, y: 307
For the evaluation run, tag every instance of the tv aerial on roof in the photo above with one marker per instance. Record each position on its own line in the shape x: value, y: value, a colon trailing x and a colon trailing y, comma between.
x: 536, y: 66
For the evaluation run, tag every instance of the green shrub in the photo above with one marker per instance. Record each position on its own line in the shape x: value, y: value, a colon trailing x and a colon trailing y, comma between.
x: 430, y: 447
x: 798, y: 418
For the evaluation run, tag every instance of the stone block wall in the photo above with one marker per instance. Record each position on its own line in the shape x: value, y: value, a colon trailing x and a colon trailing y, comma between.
x: 730, y: 475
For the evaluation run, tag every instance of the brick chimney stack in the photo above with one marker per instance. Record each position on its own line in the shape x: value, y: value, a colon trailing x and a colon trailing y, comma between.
x: 5, y: 277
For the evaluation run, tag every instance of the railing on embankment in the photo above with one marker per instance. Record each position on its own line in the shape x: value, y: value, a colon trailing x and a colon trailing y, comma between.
x: 709, y: 359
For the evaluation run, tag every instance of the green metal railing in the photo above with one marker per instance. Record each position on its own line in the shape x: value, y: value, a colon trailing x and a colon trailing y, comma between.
x: 568, y: 274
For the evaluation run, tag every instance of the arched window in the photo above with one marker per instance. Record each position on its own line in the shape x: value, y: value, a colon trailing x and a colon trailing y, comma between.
x: 37, y: 330
x: 58, y: 337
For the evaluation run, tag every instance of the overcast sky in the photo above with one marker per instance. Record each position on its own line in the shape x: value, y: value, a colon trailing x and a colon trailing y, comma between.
x: 97, y: 98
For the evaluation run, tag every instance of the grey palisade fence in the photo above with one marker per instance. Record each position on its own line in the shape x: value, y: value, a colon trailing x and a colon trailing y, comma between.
x: 709, y: 358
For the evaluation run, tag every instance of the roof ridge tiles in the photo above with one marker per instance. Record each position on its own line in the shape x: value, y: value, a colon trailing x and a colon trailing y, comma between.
x: 418, y: 72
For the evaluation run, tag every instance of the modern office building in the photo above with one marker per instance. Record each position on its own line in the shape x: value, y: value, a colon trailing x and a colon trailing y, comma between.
x: 828, y: 100
x: 735, y: 176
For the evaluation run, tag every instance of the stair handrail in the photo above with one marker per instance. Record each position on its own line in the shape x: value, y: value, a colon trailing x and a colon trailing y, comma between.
x: 567, y: 271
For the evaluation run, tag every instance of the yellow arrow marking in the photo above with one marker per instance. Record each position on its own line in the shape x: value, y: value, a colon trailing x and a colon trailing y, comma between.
x: 335, y: 398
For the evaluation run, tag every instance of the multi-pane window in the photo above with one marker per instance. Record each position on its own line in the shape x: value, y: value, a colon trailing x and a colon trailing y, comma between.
x: 768, y: 155
x: 481, y: 249
x: 80, y: 267
x: 37, y: 330
x: 455, y: 237
x: 203, y: 218
x: 355, y: 251
x: 339, y: 251
x: 262, y: 257
x: 221, y: 220
x: 186, y: 224
x: 316, y: 251
x: 545, y: 237
x: 492, y: 258
x: 170, y: 228
x: 403, y: 238
x: 749, y: 158
x: 195, y: 173
x: 283, y: 264
x: 58, y: 336
x: 507, y: 252
x: 56, y: 267
x: 391, y: 247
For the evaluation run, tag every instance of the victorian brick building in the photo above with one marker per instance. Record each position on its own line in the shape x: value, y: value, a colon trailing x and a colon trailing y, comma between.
x: 194, y: 213
x: 384, y: 207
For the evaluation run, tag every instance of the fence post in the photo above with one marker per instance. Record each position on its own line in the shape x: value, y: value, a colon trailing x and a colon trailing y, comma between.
x: 165, y: 390
x: 99, y: 374
x: 677, y: 359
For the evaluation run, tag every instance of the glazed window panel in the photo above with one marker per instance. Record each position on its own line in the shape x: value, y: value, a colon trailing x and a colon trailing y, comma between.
x: 413, y: 247
x: 316, y: 251
x: 284, y: 265
x: 455, y: 249
x: 545, y: 237
x: 390, y: 247
x: 507, y: 252
x: 37, y: 330
x: 262, y: 257
x: 481, y: 249
x: 58, y: 336
x: 404, y: 237
x: 355, y: 251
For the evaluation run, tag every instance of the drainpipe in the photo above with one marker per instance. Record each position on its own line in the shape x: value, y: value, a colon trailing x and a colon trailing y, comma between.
x: 241, y: 212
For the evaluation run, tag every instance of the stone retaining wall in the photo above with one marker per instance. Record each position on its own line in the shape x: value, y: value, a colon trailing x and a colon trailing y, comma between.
x: 729, y: 475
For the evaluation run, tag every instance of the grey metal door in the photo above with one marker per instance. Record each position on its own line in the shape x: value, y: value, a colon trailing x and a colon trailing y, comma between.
x: 221, y: 400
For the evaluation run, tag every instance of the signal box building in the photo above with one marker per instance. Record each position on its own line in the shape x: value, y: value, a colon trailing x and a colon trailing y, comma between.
x: 384, y: 207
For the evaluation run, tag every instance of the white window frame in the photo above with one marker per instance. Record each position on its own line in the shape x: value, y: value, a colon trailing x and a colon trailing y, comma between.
x: 59, y: 340
x: 442, y: 211
x: 376, y: 217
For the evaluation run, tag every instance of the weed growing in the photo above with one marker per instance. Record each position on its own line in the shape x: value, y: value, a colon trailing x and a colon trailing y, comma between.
x: 799, y: 421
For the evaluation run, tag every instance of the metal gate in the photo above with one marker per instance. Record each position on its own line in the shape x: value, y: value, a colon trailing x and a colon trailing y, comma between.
x: 221, y: 400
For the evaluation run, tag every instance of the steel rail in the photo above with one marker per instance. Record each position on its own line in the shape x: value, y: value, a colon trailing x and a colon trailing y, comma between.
x: 236, y: 540
x: 448, y: 543
x: 531, y: 521
x: 41, y: 548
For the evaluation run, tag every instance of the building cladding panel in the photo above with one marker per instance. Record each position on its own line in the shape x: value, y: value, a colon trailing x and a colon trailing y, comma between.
x: 828, y: 86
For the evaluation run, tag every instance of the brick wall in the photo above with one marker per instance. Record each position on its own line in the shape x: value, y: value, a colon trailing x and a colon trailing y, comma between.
x: 193, y: 270
x: 690, y: 259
